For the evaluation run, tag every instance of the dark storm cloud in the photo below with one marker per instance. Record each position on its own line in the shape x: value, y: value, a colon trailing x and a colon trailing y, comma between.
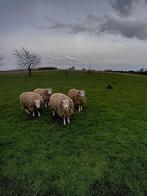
x: 111, y: 24
x: 127, y: 27
x: 123, y: 7
x: 89, y: 25
x: 17, y: 13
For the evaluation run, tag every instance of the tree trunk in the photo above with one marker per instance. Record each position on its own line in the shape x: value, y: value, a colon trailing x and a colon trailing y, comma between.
x: 30, y: 71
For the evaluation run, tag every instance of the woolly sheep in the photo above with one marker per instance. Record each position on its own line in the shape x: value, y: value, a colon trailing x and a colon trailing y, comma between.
x: 45, y: 93
x: 31, y: 102
x: 62, y: 105
x: 78, y: 97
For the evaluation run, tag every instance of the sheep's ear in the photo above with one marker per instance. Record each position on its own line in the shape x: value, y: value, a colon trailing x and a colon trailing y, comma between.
x: 84, y: 92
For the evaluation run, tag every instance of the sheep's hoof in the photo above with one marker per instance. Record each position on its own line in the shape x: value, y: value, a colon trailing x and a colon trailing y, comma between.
x: 27, y: 111
x: 68, y: 120
x: 64, y: 122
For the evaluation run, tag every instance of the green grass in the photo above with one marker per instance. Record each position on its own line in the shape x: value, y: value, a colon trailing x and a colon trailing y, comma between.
x: 103, y: 152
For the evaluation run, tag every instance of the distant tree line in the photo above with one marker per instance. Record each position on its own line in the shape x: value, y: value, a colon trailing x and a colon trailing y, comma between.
x: 47, y: 68
x: 142, y: 71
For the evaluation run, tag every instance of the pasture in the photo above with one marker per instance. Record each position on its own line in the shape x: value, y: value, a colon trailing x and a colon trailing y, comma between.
x: 102, y: 152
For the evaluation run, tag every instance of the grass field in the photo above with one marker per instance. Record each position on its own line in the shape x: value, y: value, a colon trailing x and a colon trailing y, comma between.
x: 103, y: 152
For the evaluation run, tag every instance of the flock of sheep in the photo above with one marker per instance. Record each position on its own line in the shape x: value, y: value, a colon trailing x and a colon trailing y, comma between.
x: 60, y: 104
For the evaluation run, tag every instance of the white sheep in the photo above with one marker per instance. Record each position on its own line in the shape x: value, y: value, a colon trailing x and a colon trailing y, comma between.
x: 78, y: 97
x: 31, y: 102
x: 45, y: 93
x: 62, y: 105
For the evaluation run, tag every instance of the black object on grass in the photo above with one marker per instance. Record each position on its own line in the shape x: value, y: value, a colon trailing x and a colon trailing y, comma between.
x: 109, y: 86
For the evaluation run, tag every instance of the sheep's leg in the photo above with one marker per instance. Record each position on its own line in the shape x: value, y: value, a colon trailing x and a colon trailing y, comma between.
x: 45, y: 105
x: 64, y: 121
x: 68, y: 120
x: 53, y: 113
x: 33, y: 114
x: 79, y: 108
x: 27, y: 111
x: 39, y: 114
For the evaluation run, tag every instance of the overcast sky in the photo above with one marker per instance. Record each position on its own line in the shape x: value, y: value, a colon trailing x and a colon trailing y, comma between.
x: 100, y: 34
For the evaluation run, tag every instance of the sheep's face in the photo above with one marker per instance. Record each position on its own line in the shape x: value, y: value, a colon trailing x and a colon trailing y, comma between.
x: 82, y: 93
x: 50, y: 91
x: 65, y: 104
x: 82, y: 96
x: 37, y: 104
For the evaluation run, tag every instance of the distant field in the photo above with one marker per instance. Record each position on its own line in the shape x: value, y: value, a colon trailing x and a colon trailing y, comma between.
x: 103, y: 152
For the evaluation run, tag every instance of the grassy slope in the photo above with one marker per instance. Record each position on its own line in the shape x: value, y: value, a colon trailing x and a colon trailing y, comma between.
x: 103, y: 152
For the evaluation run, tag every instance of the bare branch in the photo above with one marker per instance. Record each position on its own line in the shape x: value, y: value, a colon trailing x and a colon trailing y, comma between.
x: 27, y: 59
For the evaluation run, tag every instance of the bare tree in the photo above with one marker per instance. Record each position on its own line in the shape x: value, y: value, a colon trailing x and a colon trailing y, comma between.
x: 1, y: 60
x: 27, y: 59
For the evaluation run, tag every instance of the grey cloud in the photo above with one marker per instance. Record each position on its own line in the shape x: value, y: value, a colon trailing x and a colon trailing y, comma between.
x: 64, y: 59
x: 88, y: 25
x: 112, y: 24
x: 14, y: 13
x: 124, y: 7
x: 72, y: 58
x: 93, y: 19
x: 1, y: 60
x: 127, y: 27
